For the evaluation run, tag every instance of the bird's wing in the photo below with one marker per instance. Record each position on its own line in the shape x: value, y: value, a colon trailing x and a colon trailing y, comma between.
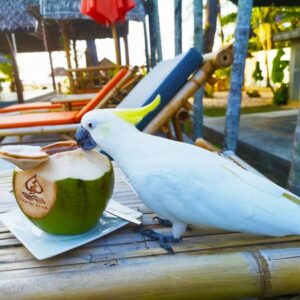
x: 218, y: 193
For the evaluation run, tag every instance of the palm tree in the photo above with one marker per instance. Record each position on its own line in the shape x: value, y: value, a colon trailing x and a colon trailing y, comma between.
x: 240, y: 48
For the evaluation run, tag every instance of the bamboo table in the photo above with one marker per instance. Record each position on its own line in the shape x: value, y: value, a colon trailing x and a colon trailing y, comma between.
x: 207, y: 264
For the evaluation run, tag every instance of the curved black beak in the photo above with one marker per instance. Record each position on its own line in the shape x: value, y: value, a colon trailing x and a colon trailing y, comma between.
x: 84, y: 139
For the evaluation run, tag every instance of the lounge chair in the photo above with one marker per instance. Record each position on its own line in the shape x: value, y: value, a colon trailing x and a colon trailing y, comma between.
x: 67, y: 102
x: 170, y: 78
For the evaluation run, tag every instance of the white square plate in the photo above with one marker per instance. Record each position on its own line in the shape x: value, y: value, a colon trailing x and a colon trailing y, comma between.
x: 44, y: 245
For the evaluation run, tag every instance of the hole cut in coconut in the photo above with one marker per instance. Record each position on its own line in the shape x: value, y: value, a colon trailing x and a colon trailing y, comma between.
x: 27, y: 157
x: 60, y: 147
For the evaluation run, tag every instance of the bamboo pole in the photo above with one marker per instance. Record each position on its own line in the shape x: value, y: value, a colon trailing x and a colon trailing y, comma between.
x: 180, y: 98
x: 167, y: 131
x: 75, y: 53
x: 38, y: 130
x: 46, y: 46
x: 217, y: 59
x: 183, y: 115
x: 18, y: 83
x: 109, y: 95
x: 146, y: 45
x: 202, y: 143
x: 238, y: 275
x: 221, y: 58
x: 67, y: 49
x: 117, y: 44
x: 187, y: 105
x: 125, y: 39
x: 177, y: 129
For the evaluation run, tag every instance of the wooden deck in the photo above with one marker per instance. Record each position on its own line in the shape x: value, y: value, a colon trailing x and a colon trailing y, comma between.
x: 207, y: 264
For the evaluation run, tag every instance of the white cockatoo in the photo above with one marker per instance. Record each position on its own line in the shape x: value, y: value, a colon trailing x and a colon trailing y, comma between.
x: 186, y: 184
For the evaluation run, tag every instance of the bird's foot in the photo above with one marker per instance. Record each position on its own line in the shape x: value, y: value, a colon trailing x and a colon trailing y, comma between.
x: 163, y: 239
x: 162, y: 221
x: 166, y: 222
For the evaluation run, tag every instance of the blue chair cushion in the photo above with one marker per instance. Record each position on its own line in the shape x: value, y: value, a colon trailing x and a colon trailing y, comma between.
x: 165, y: 79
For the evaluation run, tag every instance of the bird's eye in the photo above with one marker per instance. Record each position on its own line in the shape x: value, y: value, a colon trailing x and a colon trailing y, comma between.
x: 90, y: 125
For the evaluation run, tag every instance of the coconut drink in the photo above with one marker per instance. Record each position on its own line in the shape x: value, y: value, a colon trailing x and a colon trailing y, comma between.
x: 67, y: 191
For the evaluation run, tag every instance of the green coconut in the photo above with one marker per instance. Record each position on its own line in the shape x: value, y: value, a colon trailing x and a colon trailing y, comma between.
x: 66, y: 194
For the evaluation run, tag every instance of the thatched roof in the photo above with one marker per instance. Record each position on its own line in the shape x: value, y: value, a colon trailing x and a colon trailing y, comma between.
x: 14, y: 17
x: 32, y: 42
x: 61, y: 10
x: 83, y: 29
x: 271, y: 2
x: 70, y: 9
x: 105, y: 63
x: 138, y: 13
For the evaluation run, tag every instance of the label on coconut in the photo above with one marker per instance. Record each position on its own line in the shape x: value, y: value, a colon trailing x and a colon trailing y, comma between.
x: 35, y: 194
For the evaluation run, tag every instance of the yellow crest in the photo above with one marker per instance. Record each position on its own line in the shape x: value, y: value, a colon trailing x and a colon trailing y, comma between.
x: 135, y: 115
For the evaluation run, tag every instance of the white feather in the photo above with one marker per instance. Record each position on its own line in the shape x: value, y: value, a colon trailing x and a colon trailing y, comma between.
x: 189, y: 185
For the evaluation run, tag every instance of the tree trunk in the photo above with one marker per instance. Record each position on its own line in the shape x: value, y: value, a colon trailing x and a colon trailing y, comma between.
x: 198, y: 44
x: 240, y: 48
x: 64, y: 31
x: 46, y: 46
x: 210, y: 25
x: 294, y: 175
x: 178, y: 26
x: 18, y: 83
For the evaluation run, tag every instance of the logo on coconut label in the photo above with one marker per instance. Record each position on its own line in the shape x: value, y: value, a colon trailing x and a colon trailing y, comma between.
x: 34, y: 194
x: 34, y: 190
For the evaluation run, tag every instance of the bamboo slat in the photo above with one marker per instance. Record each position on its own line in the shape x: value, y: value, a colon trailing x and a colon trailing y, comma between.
x: 73, y: 98
x: 209, y: 263
x: 38, y: 130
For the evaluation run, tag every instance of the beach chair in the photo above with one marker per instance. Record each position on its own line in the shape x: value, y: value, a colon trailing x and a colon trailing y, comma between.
x: 66, y: 102
x: 170, y: 78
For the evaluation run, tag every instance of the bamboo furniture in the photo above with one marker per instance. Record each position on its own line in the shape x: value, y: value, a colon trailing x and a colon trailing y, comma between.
x: 60, y: 122
x: 90, y: 79
x: 208, y: 263
x: 212, y: 61
x: 176, y: 79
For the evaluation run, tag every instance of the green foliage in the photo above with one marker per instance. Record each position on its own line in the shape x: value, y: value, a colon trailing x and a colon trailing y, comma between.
x: 281, y: 95
x: 278, y: 67
x: 257, y: 74
x: 280, y: 18
x: 7, y: 69
x: 209, y: 90
x: 230, y: 18
x: 222, y: 73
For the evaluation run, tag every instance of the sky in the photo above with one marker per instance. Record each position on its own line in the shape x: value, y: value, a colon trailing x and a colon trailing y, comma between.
x: 35, y: 68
